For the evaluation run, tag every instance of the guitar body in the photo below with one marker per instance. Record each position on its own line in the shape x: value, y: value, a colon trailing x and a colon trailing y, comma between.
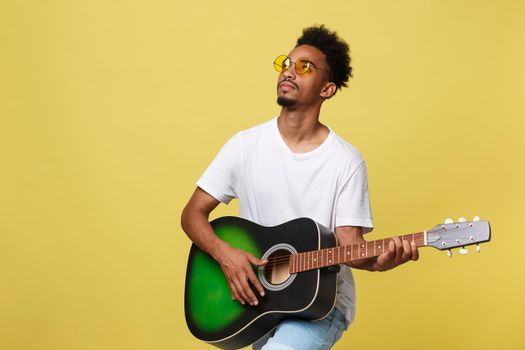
x: 212, y: 315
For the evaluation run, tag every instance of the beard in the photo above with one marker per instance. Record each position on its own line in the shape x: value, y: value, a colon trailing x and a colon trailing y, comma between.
x: 285, y: 102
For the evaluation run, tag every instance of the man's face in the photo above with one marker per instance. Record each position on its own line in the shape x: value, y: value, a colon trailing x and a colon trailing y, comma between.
x: 293, y: 89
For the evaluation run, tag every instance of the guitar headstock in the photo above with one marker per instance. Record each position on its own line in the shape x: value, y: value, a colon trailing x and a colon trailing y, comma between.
x: 459, y: 234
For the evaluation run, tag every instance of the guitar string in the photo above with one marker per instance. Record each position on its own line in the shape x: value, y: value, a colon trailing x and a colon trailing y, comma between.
x: 272, y: 261
x: 352, y: 247
x: 286, y: 258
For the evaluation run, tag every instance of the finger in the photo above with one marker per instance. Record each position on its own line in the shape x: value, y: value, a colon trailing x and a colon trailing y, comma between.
x: 233, y: 290
x: 251, y: 274
x: 391, y: 251
x: 256, y: 261
x: 415, y: 251
x: 399, y: 249
x: 250, y: 297
x: 255, y: 281
x: 407, y: 251
x: 383, y: 259
x: 392, y: 248
x: 242, y: 297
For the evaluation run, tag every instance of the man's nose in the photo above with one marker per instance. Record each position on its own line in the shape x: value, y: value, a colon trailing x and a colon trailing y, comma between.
x: 290, y: 72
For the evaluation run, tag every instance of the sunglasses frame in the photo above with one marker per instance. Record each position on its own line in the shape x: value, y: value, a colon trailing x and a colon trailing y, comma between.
x: 279, y: 67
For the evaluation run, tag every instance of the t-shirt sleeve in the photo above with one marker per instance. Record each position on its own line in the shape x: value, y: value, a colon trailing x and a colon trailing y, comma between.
x: 221, y: 178
x: 353, y: 203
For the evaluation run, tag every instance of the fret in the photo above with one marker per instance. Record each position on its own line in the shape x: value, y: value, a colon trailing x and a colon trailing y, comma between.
x: 305, y: 265
x: 307, y: 260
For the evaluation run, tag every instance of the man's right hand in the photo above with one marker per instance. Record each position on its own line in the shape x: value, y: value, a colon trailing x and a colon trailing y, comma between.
x: 236, y: 266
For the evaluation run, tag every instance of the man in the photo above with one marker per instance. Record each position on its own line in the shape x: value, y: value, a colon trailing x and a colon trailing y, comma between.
x: 294, y: 166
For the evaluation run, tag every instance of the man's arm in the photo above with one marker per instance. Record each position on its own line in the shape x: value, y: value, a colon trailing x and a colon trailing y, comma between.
x: 235, y: 263
x: 398, y: 252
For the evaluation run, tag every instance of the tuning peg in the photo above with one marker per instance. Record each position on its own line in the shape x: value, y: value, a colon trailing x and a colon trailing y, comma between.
x: 449, y: 252
x: 448, y: 221
x: 478, y: 248
x: 476, y: 218
x: 463, y: 251
x: 462, y: 219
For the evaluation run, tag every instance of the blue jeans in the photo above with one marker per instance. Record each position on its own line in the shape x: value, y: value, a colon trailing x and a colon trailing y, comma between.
x: 293, y: 334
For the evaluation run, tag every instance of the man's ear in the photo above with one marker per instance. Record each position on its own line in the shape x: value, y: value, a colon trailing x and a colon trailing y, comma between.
x: 329, y: 90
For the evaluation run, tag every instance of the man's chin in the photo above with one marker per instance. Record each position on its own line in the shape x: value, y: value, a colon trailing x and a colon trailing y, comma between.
x: 285, y: 102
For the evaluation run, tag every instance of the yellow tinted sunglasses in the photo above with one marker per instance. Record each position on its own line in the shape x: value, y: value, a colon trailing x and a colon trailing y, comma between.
x: 302, y: 66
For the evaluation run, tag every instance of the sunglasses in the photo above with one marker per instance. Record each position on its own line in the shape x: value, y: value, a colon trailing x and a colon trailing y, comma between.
x: 302, y: 66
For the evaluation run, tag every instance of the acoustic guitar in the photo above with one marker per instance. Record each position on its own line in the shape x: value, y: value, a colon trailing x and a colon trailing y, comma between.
x: 300, y: 278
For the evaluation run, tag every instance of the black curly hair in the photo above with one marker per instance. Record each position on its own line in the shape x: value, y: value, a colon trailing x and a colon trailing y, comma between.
x: 334, y: 48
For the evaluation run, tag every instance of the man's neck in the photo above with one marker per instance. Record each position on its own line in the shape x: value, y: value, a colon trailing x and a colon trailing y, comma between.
x: 301, y: 130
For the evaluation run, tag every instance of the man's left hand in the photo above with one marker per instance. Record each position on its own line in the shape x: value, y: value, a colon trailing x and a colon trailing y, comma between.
x: 399, y: 252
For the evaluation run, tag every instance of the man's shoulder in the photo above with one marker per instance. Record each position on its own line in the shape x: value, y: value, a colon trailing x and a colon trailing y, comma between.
x: 346, y: 150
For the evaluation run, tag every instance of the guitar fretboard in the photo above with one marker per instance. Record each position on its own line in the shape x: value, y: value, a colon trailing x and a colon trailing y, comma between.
x: 343, y: 254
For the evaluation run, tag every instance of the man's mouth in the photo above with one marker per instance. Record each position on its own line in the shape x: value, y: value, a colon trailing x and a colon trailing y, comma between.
x: 287, y: 85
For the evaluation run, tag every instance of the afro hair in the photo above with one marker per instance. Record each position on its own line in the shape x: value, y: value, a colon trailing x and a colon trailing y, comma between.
x: 334, y: 48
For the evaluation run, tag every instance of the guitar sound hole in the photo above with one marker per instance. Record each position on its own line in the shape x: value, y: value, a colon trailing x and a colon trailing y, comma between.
x: 277, y: 271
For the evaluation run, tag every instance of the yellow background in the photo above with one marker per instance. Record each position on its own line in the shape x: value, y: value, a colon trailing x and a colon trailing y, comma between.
x: 111, y: 110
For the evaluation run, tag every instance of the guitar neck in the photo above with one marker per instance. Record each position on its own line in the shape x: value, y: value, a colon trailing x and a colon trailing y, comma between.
x: 316, y: 259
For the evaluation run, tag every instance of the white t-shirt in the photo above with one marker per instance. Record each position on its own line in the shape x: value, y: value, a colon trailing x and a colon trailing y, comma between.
x: 274, y: 185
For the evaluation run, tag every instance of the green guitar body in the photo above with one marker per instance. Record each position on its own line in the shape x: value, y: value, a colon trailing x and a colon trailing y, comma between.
x: 212, y: 316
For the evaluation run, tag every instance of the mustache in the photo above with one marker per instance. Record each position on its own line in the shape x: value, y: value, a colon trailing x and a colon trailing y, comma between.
x: 289, y: 82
